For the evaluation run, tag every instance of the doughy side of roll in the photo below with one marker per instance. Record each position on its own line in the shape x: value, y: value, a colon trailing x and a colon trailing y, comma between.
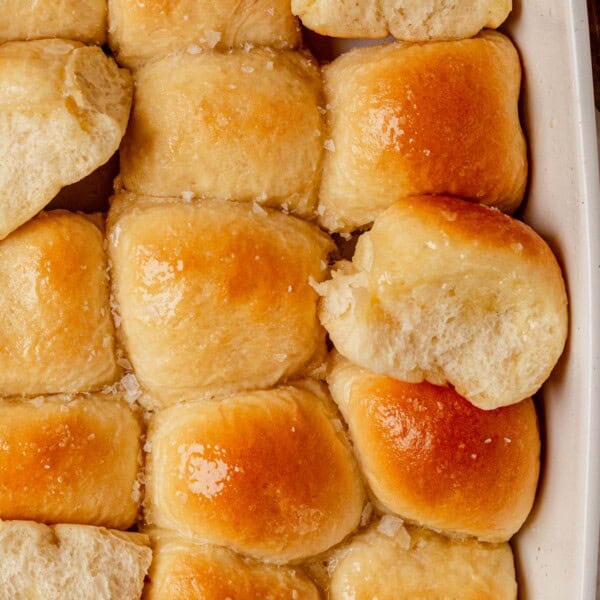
x: 66, y: 460
x: 410, y: 119
x: 413, y: 20
x: 63, y: 111
x: 449, y: 291
x: 268, y: 474
x: 140, y: 31
x: 186, y: 570
x: 56, y: 331
x: 432, y: 457
x: 82, y: 20
x: 240, y: 126
x: 214, y: 297
x: 393, y: 562
x: 71, y: 561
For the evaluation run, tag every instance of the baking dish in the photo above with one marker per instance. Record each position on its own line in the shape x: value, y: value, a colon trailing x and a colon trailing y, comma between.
x: 556, y: 552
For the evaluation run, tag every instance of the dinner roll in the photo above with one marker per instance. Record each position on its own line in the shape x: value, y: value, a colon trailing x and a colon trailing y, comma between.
x: 448, y: 291
x: 391, y: 562
x: 265, y: 473
x: 416, y: 20
x: 64, y: 562
x: 56, y: 332
x: 64, y: 111
x: 439, y: 118
x: 238, y: 126
x: 142, y: 30
x: 66, y: 460
x: 83, y: 20
x: 214, y: 297
x: 432, y: 457
x: 185, y: 570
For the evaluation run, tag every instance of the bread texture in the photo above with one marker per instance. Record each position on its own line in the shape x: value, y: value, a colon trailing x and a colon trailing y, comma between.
x: 82, y: 20
x: 239, y: 126
x: 453, y: 292
x: 66, y: 460
x: 410, y: 119
x: 214, y: 297
x: 140, y: 31
x: 68, y: 562
x: 392, y: 562
x: 268, y: 473
x: 64, y: 109
x: 185, y: 570
x: 433, y: 458
x: 411, y: 20
x: 56, y: 332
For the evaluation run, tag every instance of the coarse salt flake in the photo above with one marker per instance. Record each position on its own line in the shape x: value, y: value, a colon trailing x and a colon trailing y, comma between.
x: 329, y: 145
x: 193, y: 49
x: 390, y: 525
x: 187, y: 196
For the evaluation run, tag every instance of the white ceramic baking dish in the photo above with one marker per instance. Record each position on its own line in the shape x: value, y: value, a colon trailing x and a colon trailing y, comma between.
x: 556, y: 552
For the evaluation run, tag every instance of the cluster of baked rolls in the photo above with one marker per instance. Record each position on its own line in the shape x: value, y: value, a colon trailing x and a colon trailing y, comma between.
x: 173, y: 419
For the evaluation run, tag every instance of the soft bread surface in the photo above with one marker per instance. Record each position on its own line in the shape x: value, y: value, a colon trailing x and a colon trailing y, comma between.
x: 408, y: 119
x: 68, y: 562
x: 63, y: 111
x: 83, y: 20
x: 214, y: 297
x: 56, y: 332
x: 142, y: 30
x: 391, y: 562
x: 432, y: 457
x: 185, y: 570
x: 448, y: 291
x: 238, y: 126
x: 69, y: 461
x: 414, y: 20
x: 266, y: 473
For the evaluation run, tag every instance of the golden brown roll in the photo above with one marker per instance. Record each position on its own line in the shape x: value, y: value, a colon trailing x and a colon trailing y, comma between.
x: 66, y: 460
x: 63, y: 111
x: 142, y: 30
x: 239, y: 126
x: 432, y: 457
x: 266, y: 473
x: 214, y: 297
x: 391, y: 562
x: 415, y: 20
x: 186, y: 570
x: 83, y: 20
x: 448, y: 291
x: 56, y: 332
x: 71, y: 561
x: 439, y: 118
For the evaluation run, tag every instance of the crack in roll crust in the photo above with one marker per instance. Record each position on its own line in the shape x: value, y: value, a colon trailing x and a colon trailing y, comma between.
x: 432, y: 457
x: 414, y: 20
x: 214, y: 297
x: 266, y: 474
x: 448, y: 291
x: 185, y: 570
x: 409, y: 119
x: 56, y: 332
x: 63, y: 111
x: 239, y: 126
x: 140, y: 31
x: 69, y: 460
